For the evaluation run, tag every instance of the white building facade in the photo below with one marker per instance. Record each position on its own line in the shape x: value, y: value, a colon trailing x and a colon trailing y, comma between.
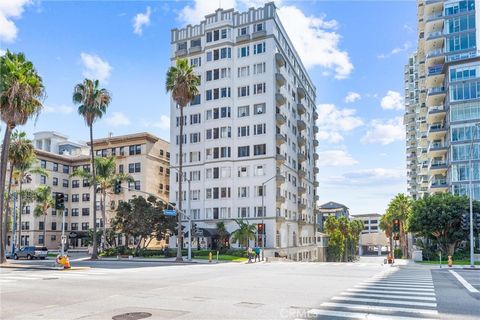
x: 249, y: 137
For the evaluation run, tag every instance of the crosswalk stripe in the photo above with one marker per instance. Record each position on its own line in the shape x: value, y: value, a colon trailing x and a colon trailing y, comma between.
x: 373, y: 295
x: 394, y: 291
x: 377, y: 308
x: 403, y: 279
x: 361, y: 315
x: 425, y: 284
x: 389, y: 301
x: 387, y: 286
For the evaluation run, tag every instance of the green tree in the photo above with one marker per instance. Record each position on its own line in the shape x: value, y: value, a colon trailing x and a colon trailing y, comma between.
x: 336, y: 240
x: 93, y: 102
x: 143, y: 219
x: 244, y: 233
x: 356, y: 228
x: 183, y: 83
x: 222, y: 235
x: 105, y: 178
x: 400, y: 208
x: 386, y: 226
x: 438, y: 217
x: 44, y: 201
x: 21, y: 95
x: 344, y: 227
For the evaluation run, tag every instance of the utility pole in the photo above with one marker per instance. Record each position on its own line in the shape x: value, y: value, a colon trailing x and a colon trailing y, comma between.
x: 14, y: 228
x: 475, y: 128
x: 263, y: 215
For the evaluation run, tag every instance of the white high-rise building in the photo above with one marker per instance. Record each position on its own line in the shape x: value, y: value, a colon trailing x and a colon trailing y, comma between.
x: 249, y: 138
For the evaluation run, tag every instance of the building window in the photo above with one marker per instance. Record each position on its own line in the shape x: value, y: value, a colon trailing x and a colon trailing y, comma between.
x: 85, y: 183
x: 85, y: 211
x: 244, y: 91
x: 75, y: 212
x: 135, y: 149
x: 75, y: 183
x: 43, y: 164
x: 65, y: 183
x: 55, y: 166
x: 243, y: 172
x: 259, y: 88
x: 134, y: 167
x: 41, y: 240
x: 195, y: 137
x: 243, y: 151
x: 243, y: 131
x: 86, y: 197
x: 243, y: 71
x: 41, y: 225
x: 43, y: 179
x: 53, y: 237
x: 259, y: 68
x: 259, y: 48
x: 260, y: 211
x: 194, y: 119
x: 243, y: 52
x: 259, y: 129
x: 74, y: 226
x: 243, y: 192
x: 244, y: 212
x: 120, y: 168
x: 75, y: 197
x: 25, y: 225
x: 243, y: 111
x: 84, y: 226
x: 54, y: 226
x: 66, y: 169
x: 259, y: 170
x: 259, y: 108
x: 259, y: 149
x: 26, y: 210
x: 258, y: 27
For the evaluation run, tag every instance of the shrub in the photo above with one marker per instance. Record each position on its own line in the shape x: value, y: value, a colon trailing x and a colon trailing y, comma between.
x: 398, y: 253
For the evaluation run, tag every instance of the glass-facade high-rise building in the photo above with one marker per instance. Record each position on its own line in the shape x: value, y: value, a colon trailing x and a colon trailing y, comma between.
x: 444, y: 73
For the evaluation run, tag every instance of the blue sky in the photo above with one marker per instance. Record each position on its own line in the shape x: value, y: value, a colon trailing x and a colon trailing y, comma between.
x: 354, y: 50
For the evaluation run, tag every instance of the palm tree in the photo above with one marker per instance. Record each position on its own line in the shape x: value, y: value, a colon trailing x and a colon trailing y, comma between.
x: 399, y: 208
x: 21, y: 94
x: 386, y: 226
x: 105, y: 178
x: 93, y: 102
x: 344, y: 227
x: 244, y: 233
x: 183, y: 83
x: 44, y: 201
x: 23, y: 173
x: 222, y: 234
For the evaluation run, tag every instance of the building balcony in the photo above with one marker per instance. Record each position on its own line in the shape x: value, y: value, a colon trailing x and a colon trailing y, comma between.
x: 280, y: 99
x: 302, y: 206
x: 315, y: 115
x: 435, y: 70
x: 301, y: 220
x: 302, y: 173
x: 281, y: 119
x: 195, y: 49
x: 181, y: 52
x: 301, y: 190
x: 280, y: 198
x: 438, y: 185
x: 315, y: 129
x: 280, y: 79
x: 301, y: 141
x: 280, y: 158
x: 437, y: 150
x: 301, y: 125
x: 316, y: 184
x: 316, y: 198
x: 301, y: 157
x: 315, y: 156
x: 280, y: 218
x: 436, y: 90
x: 436, y: 114
x: 435, y: 53
x: 315, y: 143
x: 436, y: 132
x: 280, y: 59
x: 280, y: 178
x: 438, y: 167
x: 259, y: 34
x: 316, y: 170
x: 434, y: 35
x: 301, y: 108
x: 243, y: 37
x: 301, y: 93
x: 280, y: 138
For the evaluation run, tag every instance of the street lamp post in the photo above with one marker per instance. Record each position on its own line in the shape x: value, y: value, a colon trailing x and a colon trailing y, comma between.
x: 263, y: 215
x: 476, y: 127
x: 14, y: 229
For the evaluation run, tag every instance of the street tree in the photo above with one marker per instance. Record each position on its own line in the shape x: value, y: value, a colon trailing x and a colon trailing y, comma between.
x: 399, y: 208
x: 183, y: 83
x: 45, y: 202
x: 92, y: 104
x: 21, y: 96
x: 336, y: 240
x: 244, y: 233
x: 105, y: 178
x: 386, y: 225
x: 222, y: 235
x: 438, y: 217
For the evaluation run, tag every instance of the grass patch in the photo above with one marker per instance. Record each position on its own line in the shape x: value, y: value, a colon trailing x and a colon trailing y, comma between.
x: 444, y: 262
x: 222, y: 257
x: 52, y: 255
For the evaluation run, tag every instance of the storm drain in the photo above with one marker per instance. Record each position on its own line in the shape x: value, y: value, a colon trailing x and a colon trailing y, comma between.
x: 132, y: 316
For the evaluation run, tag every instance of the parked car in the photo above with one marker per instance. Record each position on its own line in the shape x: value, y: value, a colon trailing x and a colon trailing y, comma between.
x: 31, y: 252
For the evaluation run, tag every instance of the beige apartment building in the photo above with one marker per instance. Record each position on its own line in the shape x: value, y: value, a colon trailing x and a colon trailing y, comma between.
x: 141, y: 155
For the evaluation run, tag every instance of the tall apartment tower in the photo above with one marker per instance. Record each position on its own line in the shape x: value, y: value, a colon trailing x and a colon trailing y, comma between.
x: 249, y: 149
x: 449, y: 97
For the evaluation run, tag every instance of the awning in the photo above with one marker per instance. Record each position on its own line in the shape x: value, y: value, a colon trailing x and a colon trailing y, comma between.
x: 205, y: 232
x: 77, y: 234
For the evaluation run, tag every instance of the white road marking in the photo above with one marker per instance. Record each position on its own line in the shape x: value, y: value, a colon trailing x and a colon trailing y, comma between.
x: 387, y: 286
x: 389, y: 301
x: 467, y: 285
x: 394, y: 291
x: 361, y: 315
x: 377, y: 308
x: 373, y: 295
x: 429, y: 284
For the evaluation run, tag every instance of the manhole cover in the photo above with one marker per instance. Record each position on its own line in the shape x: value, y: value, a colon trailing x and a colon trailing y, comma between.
x: 132, y: 316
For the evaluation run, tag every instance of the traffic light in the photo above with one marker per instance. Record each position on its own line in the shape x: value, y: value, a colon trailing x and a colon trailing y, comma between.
x: 396, y: 225
x: 261, y: 228
x: 59, y: 201
x: 194, y: 228
x: 476, y: 221
x: 117, y: 187
x: 465, y: 222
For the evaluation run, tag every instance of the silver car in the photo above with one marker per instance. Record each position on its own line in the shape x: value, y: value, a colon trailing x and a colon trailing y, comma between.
x: 31, y: 252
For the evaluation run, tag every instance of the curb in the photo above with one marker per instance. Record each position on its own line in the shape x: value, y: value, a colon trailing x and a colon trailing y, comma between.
x: 147, y: 260
x: 27, y: 267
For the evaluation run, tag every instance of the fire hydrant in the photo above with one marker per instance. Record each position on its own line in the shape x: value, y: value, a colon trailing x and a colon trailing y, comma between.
x: 210, y: 257
x: 63, y: 261
x: 450, y: 262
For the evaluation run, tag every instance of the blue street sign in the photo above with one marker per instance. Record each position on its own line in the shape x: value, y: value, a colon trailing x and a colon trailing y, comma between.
x: 170, y: 212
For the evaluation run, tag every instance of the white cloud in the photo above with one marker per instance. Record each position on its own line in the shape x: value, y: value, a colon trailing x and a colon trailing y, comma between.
x: 140, y: 20
x: 334, y: 158
x: 395, y: 51
x: 309, y: 34
x: 393, y: 100
x: 409, y: 28
x: 2, y: 52
x: 95, y: 67
x: 61, y: 109
x: 332, y: 122
x: 385, y: 132
x: 9, y: 10
x: 374, y: 176
x: 352, y: 97
x: 163, y: 123
x: 117, y: 119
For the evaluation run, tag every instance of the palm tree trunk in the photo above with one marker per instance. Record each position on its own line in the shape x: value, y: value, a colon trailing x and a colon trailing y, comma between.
x: 7, y: 205
x: 3, y: 173
x: 104, y: 217
x: 20, y: 210
x: 44, y: 228
x: 180, y: 181
x: 94, y: 245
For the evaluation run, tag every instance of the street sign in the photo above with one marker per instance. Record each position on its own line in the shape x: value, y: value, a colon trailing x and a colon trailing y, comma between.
x: 170, y: 212
x: 64, y: 239
x: 198, y: 233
